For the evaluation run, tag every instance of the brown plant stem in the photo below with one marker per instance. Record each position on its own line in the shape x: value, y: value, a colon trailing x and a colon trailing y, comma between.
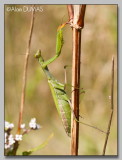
x: 112, y: 108
x: 75, y: 92
x: 82, y: 15
x: 25, y: 73
x: 70, y: 12
x: 76, y: 76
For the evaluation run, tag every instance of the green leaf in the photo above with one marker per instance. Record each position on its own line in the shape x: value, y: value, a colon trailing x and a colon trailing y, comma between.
x: 26, y: 153
x: 10, y: 153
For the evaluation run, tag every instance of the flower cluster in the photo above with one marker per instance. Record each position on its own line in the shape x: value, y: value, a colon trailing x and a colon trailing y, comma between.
x: 9, y: 125
x: 33, y: 124
x: 11, y: 139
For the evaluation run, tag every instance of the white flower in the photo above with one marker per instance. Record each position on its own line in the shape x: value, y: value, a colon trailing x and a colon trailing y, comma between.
x: 7, y: 146
x: 11, y: 140
x: 5, y: 134
x: 8, y: 125
x: 18, y: 137
x: 22, y: 126
x: 11, y: 125
x: 32, y: 123
x: 33, y: 120
x: 10, y: 137
x: 5, y: 137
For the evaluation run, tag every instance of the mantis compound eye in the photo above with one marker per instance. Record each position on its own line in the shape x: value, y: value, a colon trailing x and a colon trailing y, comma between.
x: 38, y: 54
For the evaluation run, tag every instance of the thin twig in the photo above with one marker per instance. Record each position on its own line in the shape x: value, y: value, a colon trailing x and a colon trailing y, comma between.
x: 112, y: 108
x: 25, y: 72
x: 75, y: 79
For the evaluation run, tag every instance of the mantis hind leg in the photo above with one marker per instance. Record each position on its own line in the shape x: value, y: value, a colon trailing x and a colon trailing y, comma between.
x: 86, y: 124
x: 66, y: 84
x: 72, y: 108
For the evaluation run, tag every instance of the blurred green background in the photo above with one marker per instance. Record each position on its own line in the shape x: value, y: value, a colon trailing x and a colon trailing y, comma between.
x: 99, y: 44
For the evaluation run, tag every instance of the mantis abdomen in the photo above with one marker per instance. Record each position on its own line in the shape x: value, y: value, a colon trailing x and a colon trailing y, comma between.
x: 62, y: 104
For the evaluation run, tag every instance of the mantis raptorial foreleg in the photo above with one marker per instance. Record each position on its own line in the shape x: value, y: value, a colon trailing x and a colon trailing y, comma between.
x: 59, y: 44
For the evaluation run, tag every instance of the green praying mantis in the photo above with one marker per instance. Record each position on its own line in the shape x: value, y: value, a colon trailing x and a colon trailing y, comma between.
x: 61, y: 99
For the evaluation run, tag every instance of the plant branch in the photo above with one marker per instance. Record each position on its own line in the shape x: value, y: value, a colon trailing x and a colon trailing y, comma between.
x: 76, y: 78
x: 25, y: 73
x: 112, y: 108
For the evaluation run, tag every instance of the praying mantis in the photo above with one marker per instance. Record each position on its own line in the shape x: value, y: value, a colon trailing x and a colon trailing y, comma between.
x: 61, y: 99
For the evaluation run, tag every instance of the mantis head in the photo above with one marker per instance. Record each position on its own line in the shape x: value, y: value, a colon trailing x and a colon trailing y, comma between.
x: 39, y: 57
x: 38, y: 54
